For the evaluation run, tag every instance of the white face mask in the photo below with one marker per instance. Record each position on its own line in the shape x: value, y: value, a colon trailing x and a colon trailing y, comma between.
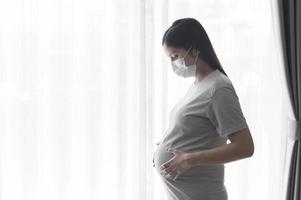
x: 181, y: 69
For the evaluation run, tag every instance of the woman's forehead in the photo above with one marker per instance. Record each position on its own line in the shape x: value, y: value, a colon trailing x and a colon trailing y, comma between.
x: 171, y: 50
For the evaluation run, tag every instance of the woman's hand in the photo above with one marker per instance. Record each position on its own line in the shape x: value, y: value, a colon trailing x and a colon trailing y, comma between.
x: 177, y: 165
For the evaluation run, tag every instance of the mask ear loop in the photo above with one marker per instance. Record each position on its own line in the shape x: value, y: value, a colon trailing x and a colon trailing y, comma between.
x: 187, y: 52
x: 196, y: 57
x: 186, y: 55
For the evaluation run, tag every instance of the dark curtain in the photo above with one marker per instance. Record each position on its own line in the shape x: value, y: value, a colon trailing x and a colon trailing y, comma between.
x: 290, y: 25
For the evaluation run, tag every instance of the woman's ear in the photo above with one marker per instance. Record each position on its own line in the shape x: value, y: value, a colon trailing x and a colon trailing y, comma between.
x: 196, y: 52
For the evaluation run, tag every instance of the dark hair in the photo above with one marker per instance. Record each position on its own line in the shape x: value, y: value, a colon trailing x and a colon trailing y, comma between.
x: 187, y: 32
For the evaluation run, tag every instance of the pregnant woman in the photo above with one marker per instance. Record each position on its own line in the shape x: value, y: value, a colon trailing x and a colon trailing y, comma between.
x: 191, y: 155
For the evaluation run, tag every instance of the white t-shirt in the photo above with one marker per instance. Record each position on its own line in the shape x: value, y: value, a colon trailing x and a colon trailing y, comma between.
x: 202, y: 119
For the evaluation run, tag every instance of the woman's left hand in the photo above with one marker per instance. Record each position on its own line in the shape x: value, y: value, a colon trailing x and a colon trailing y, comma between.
x: 177, y: 165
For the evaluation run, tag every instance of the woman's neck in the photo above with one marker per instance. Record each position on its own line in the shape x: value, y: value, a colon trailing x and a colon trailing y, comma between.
x: 203, y: 72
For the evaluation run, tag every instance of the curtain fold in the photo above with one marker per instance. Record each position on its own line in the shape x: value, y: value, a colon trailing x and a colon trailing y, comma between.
x: 287, y: 21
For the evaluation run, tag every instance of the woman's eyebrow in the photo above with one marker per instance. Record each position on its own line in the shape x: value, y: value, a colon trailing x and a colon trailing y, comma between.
x: 172, y: 53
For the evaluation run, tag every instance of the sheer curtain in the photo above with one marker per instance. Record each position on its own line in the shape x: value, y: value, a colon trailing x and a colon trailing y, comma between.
x: 86, y: 89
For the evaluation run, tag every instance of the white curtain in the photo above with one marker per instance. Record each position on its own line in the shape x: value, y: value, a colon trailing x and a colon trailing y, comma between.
x: 86, y: 89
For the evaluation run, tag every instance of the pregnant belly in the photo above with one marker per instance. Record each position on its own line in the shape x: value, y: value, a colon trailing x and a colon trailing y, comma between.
x: 196, y: 174
x: 161, y: 156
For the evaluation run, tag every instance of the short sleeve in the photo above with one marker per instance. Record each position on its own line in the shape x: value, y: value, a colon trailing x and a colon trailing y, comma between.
x: 224, y: 111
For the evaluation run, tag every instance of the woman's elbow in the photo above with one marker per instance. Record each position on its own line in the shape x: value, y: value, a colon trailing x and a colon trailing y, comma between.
x: 250, y: 151
x: 245, y: 142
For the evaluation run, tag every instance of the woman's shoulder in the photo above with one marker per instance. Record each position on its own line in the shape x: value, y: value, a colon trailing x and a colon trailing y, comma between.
x: 215, y: 83
x: 219, y: 83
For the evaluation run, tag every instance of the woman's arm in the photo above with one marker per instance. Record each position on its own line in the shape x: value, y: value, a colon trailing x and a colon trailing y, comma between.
x: 241, y: 146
